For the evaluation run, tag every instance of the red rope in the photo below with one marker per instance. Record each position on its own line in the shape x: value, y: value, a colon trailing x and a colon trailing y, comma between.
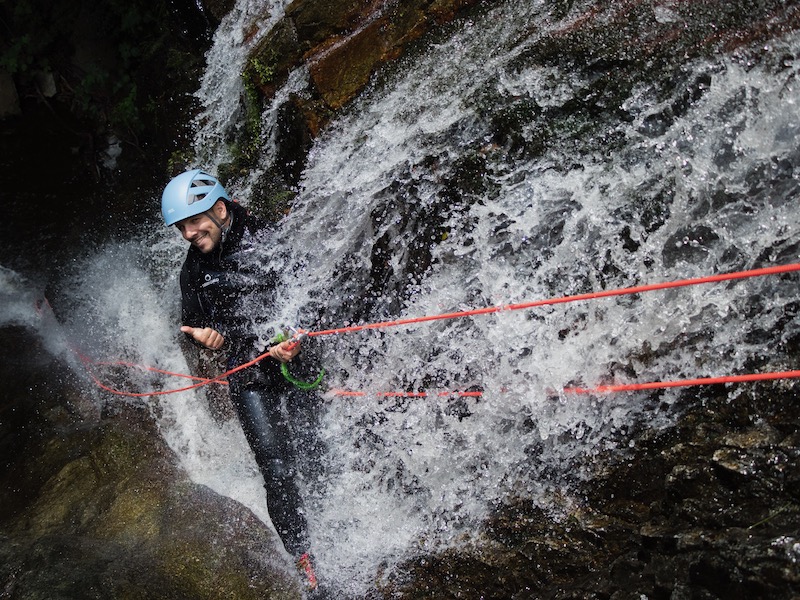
x: 353, y: 394
x: 600, y: 389
x: 656, y: 385
x: 776, y: 270
x: 564, y: 299
x: 202, y: 381
x: 120, y: 363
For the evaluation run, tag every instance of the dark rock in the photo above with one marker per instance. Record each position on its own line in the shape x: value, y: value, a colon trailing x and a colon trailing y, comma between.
x: 711, y: 516
x: 96, y: 506
x: 343, y: 44
x: 317, y: 21
x: 690, y: 244
x: 115, y: 518
x: 218, y: 8
x: 9, y: 99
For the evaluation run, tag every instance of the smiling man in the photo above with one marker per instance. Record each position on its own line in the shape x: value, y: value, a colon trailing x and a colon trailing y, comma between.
x: 222, y: 286
x: 204, y: 231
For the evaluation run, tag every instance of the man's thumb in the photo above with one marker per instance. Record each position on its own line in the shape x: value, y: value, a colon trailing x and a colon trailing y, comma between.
x: 187, y: 329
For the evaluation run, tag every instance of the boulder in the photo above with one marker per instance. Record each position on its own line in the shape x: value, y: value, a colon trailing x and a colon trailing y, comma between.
x: 342, y: 43
x: 93, y: 504
x: 116, y: 518
x: 9, y: 99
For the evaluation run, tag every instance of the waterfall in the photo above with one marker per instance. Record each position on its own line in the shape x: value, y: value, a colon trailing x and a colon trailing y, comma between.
x: 460, y: 179
x: 707, y: 190
x: 220, y: 91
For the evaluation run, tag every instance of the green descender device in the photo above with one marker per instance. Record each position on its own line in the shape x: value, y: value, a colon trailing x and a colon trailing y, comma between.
x: 283, y: 336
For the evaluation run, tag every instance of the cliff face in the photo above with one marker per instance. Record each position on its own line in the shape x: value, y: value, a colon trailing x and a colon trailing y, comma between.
x: 94, y: 505
x: 342, y: 43
x: 701, y: 510
x: 94, y: 101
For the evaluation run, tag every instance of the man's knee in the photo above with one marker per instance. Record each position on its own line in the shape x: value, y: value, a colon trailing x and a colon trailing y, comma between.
x: 260, y: 421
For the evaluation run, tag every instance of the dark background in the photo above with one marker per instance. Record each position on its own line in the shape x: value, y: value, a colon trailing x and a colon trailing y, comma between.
x: 88, y: 74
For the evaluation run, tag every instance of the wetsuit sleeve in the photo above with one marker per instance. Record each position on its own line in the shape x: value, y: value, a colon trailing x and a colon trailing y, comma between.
x: 192, y: 312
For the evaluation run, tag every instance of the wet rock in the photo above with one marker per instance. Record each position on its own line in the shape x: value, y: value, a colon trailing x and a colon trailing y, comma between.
x: 94, y: 505
x: 343, y: 44
x: 218, y: 8
x: 319, y: 20
x: 345, y: 68
x: 115, y: 517
x: 757, y: 437
x: 9, y: 100
x: 689, y: 244
x: 705, y: 509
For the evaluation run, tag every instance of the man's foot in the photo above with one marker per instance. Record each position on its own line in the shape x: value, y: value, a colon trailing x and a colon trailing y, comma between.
x: 306, y: 570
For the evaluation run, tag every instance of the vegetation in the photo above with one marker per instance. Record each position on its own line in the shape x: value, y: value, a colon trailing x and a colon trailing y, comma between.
x: 97, y: 60
x: 256, y: 74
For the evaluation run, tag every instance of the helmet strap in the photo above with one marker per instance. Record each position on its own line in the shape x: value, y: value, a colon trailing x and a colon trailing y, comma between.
x: 227, y: 227
x: 210, y: 214
x: 224, y: 226
x: 221, y: 224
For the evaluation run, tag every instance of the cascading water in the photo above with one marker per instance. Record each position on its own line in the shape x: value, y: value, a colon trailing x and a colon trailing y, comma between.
x: 221, y: 90
x: 434, y: 192
x: 671, y: 203
x: 710, y: 190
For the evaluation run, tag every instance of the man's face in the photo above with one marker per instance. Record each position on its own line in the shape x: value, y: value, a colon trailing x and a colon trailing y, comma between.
x: 201, y: 231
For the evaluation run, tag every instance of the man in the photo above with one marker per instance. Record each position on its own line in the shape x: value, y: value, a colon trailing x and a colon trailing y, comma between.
x: 221, y: 286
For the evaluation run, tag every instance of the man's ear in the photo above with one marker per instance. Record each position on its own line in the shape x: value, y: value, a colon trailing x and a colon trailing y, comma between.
x: 220, y: 210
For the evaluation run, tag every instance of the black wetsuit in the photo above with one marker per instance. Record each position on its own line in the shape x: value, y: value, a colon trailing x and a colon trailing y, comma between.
x: 225, y: 290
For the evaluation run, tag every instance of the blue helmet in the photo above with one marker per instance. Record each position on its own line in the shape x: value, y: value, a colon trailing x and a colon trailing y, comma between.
x: 190, y: 194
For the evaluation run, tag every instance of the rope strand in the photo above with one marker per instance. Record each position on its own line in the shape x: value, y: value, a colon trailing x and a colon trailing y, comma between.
x: 565, y: 299
x: 600, y: 389
x: 774, y: 270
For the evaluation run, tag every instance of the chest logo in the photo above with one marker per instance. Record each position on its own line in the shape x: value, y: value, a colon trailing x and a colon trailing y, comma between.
x: 210, y: 280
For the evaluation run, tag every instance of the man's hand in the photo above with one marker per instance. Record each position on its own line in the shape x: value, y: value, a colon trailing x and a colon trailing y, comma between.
x: 285, y: 351
x: 210, y: 338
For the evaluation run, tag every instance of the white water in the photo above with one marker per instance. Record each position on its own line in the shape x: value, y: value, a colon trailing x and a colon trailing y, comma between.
x: 221, y: 91
x: 414, y: 477
x: 409, y: 476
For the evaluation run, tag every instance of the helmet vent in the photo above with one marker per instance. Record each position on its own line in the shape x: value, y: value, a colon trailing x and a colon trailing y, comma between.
x: 206, y: 184
x: 203, y: 182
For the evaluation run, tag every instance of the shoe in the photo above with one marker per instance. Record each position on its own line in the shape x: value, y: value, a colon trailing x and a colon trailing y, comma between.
x: 307, y: 571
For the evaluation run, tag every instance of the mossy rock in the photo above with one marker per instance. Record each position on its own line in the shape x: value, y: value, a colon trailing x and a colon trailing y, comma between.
x: 117, y: 518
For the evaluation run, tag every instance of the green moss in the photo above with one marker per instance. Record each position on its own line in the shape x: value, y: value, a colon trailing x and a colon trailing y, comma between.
x: 188, y: 568
x: 260, y: 71
x: 265, y: 72
x: 180, y: 160
x: 273, y: 205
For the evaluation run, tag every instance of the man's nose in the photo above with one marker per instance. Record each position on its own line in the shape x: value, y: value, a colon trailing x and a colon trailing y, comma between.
x: 188, y: 232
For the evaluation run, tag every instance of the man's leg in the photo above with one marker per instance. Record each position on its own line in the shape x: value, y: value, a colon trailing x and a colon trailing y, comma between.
x: 269, y: 437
